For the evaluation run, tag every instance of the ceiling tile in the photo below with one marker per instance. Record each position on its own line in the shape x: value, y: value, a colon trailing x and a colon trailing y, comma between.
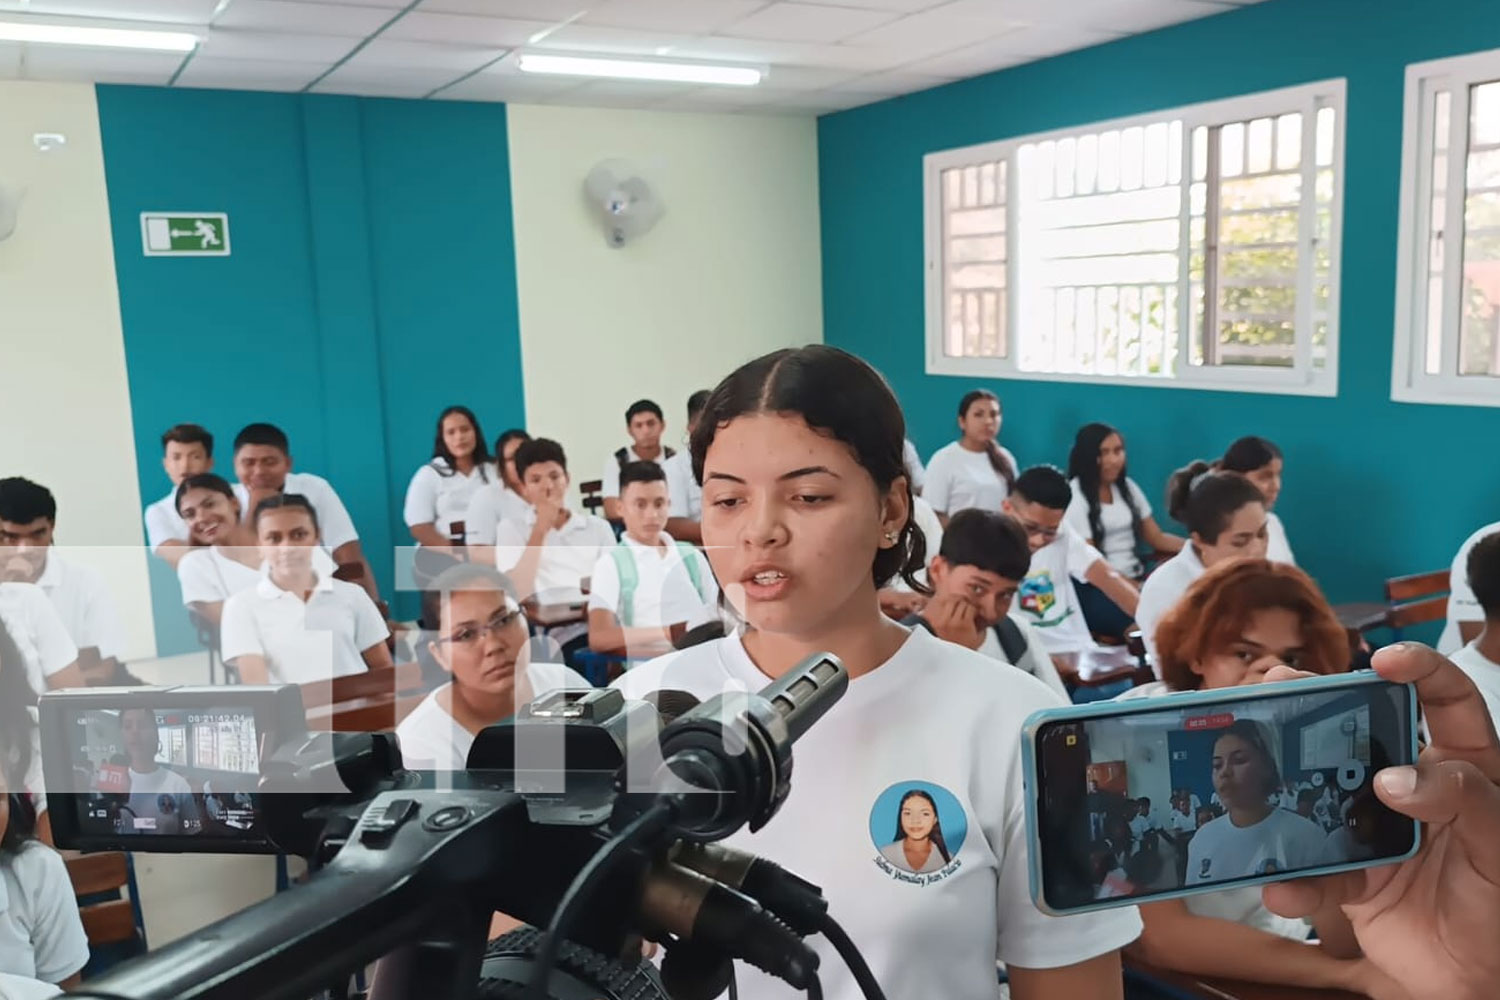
x: 314, y: 18
x: 535, y: 10
x: 825, y: 101
x: 516, y: 88
x: 973, y: 60
x: 226, y: 43
x: 59, y: 62
x: 387, y: 4
x: 864, y: 58
x: 800, y: 78
x: 589, y: 38
x: 679, y: 17
x: 936, y: 31
x: 463, y: 29
x: 805, y: 22
x: 746, y: 50
x: 173, y: 11
x: 1139, y: 16
x: 424, y: 56
x: 383, y: 81
x: 891, y: 84
x: 1050, y: 40
x: 248, y: 74
x: 899, y: 6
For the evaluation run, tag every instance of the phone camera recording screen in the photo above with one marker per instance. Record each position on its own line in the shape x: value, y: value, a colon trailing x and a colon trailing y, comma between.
x: 167, y: 772
x: 1168, y: 800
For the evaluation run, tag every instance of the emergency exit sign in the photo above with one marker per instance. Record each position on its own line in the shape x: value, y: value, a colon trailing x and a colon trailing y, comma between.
x: 185, y: 234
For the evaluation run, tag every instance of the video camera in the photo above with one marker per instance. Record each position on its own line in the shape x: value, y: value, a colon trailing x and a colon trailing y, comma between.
x: 587, y: 814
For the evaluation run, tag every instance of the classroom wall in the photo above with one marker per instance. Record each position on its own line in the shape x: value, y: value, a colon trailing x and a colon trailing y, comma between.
x: 371, y: 284
x: 1373, y: 488
x: 64, y: 393
x: 729, y: 272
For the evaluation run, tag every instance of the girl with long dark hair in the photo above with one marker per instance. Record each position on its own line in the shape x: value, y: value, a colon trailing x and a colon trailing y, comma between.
x: 975, y: 470
x: 440, y: 491
x: 1261, y: 462
x: 918, y: 844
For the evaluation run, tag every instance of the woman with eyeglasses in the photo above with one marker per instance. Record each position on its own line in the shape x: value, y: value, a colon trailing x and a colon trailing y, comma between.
x: 484, y: 647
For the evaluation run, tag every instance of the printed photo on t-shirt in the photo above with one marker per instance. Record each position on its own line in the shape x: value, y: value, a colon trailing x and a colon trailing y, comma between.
x: 918, y: 829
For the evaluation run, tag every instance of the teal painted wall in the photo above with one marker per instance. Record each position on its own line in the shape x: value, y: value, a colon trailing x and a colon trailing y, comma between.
x: 372, y: 283
x: 1374, y: 488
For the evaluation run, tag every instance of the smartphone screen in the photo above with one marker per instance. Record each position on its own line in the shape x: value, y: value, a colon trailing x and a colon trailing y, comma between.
x: 1146, y: 800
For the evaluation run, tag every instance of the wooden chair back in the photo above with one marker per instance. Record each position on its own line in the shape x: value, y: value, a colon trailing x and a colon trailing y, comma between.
x: 404, y: 678
x: 112, y: 921
x: 593, y: 495
x: 1415, y: 599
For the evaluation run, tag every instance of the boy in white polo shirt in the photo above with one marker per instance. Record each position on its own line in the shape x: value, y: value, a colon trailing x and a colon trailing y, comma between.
x: 79, y: 595
x: 649, y: 589
x: 1059, y: 555
x: 297, y: 625
x: 187, y: 450
x: 645, y: 423
x: 263, y: 464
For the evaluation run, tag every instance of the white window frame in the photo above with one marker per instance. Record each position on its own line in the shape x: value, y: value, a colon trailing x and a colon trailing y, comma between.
x: 1410, y: 381
x: 1302, y: 379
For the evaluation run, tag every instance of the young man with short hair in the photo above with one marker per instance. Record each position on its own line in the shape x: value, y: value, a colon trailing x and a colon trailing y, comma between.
x: 645, y: 423
x: 683, y: 491
x: 974, y: 577
x: 79, y: 595
x: 1480, y: 659
x: 1059, y: 555
x: 187, y: 450
x: 263, y: 466
x: 649, y: 589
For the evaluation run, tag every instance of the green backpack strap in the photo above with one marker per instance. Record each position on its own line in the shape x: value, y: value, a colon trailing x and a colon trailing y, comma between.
x: 689, y: 553
x: 630, y: 578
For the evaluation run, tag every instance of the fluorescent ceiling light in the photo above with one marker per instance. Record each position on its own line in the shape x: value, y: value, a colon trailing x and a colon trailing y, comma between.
x: 639, y: 69
x: 107, y: 38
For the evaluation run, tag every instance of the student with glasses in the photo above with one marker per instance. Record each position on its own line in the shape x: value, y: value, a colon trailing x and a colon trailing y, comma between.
x: 484, y: 646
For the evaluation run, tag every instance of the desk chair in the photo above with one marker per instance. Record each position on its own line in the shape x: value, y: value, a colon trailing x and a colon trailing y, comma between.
x: 1409, y: 600
x: 115, y: 927
x: 593, y: 496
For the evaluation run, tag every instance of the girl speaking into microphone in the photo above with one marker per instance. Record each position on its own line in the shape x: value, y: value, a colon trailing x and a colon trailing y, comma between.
x: 806, y: 514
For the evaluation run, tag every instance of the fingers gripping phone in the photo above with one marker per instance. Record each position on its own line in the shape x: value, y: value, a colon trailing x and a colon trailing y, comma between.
x: 1153, y: 798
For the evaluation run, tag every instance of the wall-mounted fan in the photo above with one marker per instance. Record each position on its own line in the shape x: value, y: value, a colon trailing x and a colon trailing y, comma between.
x: 622, y: 200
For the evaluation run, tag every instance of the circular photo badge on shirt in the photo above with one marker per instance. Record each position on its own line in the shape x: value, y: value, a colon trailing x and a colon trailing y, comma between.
x: 918, y: 830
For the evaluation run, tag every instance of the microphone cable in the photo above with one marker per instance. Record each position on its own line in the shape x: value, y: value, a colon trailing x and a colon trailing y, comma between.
x: 844, y: 945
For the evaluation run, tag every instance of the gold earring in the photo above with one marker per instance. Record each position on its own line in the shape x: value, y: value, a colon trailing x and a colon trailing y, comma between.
x: 891, y: 537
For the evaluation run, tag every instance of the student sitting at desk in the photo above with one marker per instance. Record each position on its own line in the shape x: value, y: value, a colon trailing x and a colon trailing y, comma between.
x: 645, y: 424
x: 187, y: 450
x: 263, y: 463
x: 649, y: 589
x: 500, y: 500
x: 685, y: 494
x: 46, y: 654
x: 483, y: 646
x: 297, y: 625
x: 226, y: 558
x: 441, y: 491
x: 79, y: 595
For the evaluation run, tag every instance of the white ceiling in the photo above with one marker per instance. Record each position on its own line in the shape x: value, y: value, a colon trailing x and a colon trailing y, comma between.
x: 822, y: 56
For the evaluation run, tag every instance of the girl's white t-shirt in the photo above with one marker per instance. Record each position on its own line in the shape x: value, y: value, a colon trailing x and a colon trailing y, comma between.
x: 41, y: 935
x: 1161, y: 592
x: 937, y: 718
x: 1278, y: 549
x: 439, y: 496
x: 958, y: 479
x: 1119, y: 544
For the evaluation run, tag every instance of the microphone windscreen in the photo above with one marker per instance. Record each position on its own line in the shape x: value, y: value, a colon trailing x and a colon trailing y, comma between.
x: 671, y: 705
x: 113, y: 778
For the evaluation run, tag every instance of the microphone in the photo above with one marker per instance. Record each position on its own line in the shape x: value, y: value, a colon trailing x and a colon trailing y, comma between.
x: 114, y: 777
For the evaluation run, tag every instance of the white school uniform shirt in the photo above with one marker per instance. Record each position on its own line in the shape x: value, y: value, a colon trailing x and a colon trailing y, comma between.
x: 683, y: 492
x: 1035, y: 661
x: 1278, y: 549
x: 316, y: 641
x: 37, y: 630
x: 432, y: 739
x: 208, y: 576
x: 1047, y: 598
x: 1463, y: 606
x: 958, y: 479
x: 1485, y: 674
x: 927, y: 523
x: 611, y: 475
x: 439, y: 496
x: 1118, y: 544
x: 41, y: 935
x: 146, y: 800
x: 913, y: 462
x: 664, y: 591
x: 1161, y: 592
x: 163, y: 523
x: 82, y: 600
x: 26, y: 988
x: 335, y: 526
x: 1281, y: 842
x: 934, y: 716
x: 568, y: 555
x: 491, y: 504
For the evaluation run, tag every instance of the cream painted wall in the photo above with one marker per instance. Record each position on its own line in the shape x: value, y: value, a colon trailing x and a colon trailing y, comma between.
x: 62, y: 377
x: 731, y: 271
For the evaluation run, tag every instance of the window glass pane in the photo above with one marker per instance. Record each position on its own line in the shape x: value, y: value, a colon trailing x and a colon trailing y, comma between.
x: 974, y: 256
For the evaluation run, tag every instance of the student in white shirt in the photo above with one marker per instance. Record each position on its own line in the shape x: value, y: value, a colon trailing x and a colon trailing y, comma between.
x: 899, y: 598
x: 1465, y: 616
x: 226, y: 559
x: 440, y: 491
x: 41, y: 933
x: 1260, y: 461
x: 806, y: 512
x: 161, y: 800
x: 974, y: 471
x: 1239, y: 620
x: 483, y: 645
x: 1060, y: 556
x: 20, y: 742
x: 1480, y: 659
x: 683, y: 491
x: 498, y: 501
x: 263, y: 464
x: 649, y: 589
x: 974, y: 578
x: 1109, y: 510
x: 296, y: 625
x: 1226, y: 518
x: 916, y: 472
x: 187, y: 450
x: 28, y: 522
x: 47, y: 655
x: 645, y: 424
